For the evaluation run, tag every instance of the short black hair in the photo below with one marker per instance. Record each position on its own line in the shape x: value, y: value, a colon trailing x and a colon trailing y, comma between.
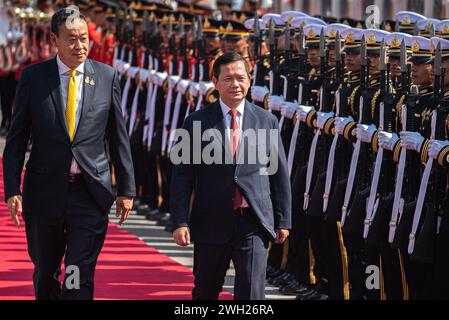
x: 227, y: 58
x: 62, y: 15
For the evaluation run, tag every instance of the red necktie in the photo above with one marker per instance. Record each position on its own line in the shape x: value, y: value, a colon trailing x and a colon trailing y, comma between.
x: 238, y: 199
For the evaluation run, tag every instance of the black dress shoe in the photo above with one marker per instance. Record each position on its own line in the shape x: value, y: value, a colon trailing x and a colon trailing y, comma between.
x: 143, y: 211
x: 284, y: 280
x: 136, y: 203
x: 153, y: 215
x: 294, y: 289
x: 319, y: 287
x: 273, y: 273
x: 163, y: 221
x: 315, y: 296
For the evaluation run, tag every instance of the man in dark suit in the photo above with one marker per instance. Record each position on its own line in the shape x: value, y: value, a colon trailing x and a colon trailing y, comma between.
x: 71, y: 107
x: 240, y: 203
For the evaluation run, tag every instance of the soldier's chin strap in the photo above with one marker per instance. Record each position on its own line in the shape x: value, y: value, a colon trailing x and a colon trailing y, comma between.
x: 422, y: 193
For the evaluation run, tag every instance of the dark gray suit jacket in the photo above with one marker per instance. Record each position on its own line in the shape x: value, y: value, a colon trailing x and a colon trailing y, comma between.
x: 211, y: 218
x: 39, y: 111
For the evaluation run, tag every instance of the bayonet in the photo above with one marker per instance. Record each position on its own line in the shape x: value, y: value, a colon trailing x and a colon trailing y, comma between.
x: 432, y: 31
x: 287, y: 38
x: 271, y: 34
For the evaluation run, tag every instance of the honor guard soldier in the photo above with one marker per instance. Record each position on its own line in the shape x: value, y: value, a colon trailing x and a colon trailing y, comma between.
x: 406, y: 21
x: 426, y: 27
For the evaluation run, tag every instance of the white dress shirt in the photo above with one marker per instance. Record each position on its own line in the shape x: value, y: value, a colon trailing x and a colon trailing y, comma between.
x: 228, y: 118
x: 64, y: 76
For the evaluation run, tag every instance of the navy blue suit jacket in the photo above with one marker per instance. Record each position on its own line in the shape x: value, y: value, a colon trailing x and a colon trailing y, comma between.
x: 39, y: 111
x: 213, y: 185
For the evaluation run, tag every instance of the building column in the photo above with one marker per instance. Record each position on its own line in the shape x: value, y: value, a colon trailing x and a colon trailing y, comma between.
x: 428, y: 8
x: 316, y: 7
x: 336, y: 8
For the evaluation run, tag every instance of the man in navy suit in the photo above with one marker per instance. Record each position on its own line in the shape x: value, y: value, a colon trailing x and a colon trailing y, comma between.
x: 240, y: 203
x: 71, y: 107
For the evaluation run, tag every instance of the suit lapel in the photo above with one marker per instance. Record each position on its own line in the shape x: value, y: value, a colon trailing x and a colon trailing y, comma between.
x: 54, y: 83
x: 88, y: 92
x: 216, y: 121
x: 249, y: 122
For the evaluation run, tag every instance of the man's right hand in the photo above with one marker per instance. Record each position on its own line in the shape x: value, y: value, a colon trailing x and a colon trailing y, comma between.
x: 182, y: 236
x: 15, y: 207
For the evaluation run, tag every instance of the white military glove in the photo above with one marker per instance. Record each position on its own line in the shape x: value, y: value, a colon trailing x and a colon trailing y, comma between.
x: 288, y: 109
x: 302, y: 112
x: 143, y: 75
x: 125, y: 67
x: 365, y: 132
x: 411, y: 140
x: 194, y: 88
x: 205, y: 86
x: 183, y: 85
x: 341, y: 123
x: 274, y: 103
x: 258, y: 93
x: 117, y: 63
x: 172, y: 81
x: 435, y: 146
x: 160, y: 77
x: 387, y: 140
x: 132, y: 72
x: 322, y: 117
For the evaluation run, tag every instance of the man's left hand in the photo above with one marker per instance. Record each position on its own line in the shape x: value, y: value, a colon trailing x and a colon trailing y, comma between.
x: 281, y: 235
x: 123, y: 208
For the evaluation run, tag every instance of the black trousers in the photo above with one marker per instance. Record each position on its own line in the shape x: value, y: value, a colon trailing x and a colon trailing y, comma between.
x: 248, y: 250
x: 79, y: 235
x: 7, y: 92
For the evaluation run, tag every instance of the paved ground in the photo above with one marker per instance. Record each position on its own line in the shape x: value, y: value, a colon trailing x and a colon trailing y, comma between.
x: 156, y: 237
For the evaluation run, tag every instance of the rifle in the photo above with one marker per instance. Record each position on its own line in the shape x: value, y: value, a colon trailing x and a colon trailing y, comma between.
x: 258, y: 70
x: 183, y: 48
x: 172, y: 48
x: 365, y: 116
x: 424, y: 247
x: 275, y: 79
x: 302, y: 65
x: 325, y: 105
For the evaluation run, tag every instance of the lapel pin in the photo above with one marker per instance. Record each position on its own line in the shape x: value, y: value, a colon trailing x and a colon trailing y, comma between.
x: 92, y: 83
x: 87, y: 79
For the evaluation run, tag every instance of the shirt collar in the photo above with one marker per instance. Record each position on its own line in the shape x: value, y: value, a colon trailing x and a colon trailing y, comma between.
x: 225, y: 109
x: 63, y: 69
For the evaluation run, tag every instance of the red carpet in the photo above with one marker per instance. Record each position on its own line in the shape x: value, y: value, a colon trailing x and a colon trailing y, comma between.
x: 127, y: 267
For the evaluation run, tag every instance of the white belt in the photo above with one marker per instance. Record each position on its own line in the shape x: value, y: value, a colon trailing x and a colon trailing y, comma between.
x: 152, y: 114
x: 370, y: 211
x: 398, y: 186
x: 166, y: 120
x: 422, y: 193
x: 292, y: 149
x: 350, y: 183
x: 198, y: 103
x: 419, y: 204
x: 254, y: 74
x: 132, y: 119
x: 300, y: 90
x: 125, y: 95
x: 147, y: 112
x: 281, y: 122
x: 329, y: 172
x: 174, y: 121
x: 310, y: 166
